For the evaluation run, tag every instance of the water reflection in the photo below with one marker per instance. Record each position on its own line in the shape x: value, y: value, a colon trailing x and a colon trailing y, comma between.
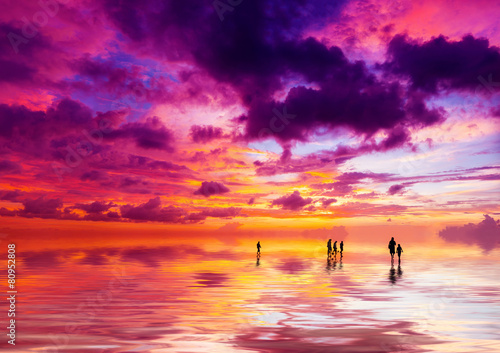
x: 331, y: 264
x: 392, y: 274
x: 184, y: 298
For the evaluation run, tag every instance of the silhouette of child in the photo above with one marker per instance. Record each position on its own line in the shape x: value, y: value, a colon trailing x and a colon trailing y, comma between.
x: 400, y: 250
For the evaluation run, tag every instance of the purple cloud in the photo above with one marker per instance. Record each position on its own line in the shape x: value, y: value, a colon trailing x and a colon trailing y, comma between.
x: 443, y: 64
x: 152, y: 211
x: 209, y: 188
x: 292, y: 202
x: 396, y: 189
x: 9, y: 167
x: 205, y: 133
x: 258, y: 60
x: 485, y: 234
x: 41, y: 208
x: 221, y: 212
x: 95, y: 207
x: 151, y: 134
x: 11, y: 195
x: 325, y: 202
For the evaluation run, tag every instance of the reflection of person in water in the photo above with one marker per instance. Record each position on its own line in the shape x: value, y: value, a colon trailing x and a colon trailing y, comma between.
x: 329, y: 246
x: 341, y: 247
x: 392, y: 274
x: 258, y: 248
x: 400, y: 250
x: 257, y: 264
x: 392, y: 246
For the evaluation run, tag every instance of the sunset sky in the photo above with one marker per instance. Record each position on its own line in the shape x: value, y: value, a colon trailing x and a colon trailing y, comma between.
x: 201, y: 115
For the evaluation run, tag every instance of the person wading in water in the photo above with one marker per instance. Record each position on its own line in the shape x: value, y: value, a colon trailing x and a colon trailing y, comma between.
x: 392, y: 248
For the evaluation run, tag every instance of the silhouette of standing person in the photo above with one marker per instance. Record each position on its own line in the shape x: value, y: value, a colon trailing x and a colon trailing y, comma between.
x: 329, y: 246
x: 258, y: 248
x: 335, y: 248
x: 392, y: 246
x: 341, y: 247
x: 400, y: 250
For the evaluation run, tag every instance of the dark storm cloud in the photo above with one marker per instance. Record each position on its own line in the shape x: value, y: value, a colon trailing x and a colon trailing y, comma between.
x: 350, y: 98
x: 442, y: 63
x: 258, y: 47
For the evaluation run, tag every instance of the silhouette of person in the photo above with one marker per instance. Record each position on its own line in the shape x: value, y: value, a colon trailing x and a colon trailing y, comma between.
x: 341, y: 247
x: 258, y: 248
x: 335, y: 248
x: 400, y: 250
x: 329, y: 246
x: 392, y: 246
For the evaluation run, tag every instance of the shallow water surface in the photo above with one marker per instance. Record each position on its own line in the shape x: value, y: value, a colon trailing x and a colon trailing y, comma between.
x: 183, y: 299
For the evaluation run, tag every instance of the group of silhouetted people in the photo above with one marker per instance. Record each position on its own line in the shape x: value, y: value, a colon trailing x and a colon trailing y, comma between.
x: 392, y: 249
x: 334, y: 252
